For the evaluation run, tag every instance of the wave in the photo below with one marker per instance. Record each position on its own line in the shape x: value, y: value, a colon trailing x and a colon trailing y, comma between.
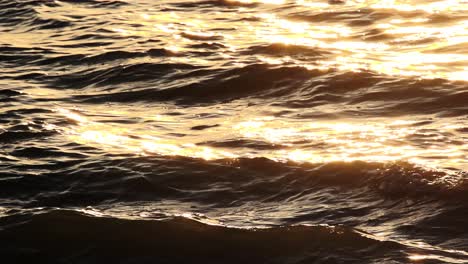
x: 201, y: 36
x: 221, y: 182
x: 121, y: 74
x: 370, y: 14
x: 98, y: 3
x: 279, y: 49
x: 107, y: 57
x: 23, y: 13
x: 11, y: 55
x: 227, y: 85
x: 13, y: 12
x: 82, y: 238
x: 286, y: 86
x: 213, y: 3
x: 27, y: 14
x: 8, y: 95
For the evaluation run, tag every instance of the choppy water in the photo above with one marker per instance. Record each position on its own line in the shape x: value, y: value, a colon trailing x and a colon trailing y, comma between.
x: 221, y: 131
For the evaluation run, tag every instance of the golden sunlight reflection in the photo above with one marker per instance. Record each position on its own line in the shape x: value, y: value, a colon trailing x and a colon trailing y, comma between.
x: 113, y: 138
x: 399, y: 5
x: 311, y: 142
x: 444, y: 259
x: 402, y: 46
x: 345, y: 141
x: 272, y: 2
x: 429, y: 7
x: 118, y: 140
x: 358, y: 55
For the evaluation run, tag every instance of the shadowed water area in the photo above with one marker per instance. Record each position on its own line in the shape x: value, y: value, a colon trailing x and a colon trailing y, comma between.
x: 219, y: 131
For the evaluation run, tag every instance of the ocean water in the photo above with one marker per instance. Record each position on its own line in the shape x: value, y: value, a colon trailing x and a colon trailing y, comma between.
x: 219, y: 131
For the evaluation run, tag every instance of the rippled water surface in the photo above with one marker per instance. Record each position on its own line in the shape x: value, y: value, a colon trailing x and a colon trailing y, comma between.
x: 218, y: 131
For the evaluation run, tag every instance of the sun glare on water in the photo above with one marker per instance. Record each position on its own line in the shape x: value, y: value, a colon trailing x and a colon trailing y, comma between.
x: 311, y: 142
x: 404, y: 46
x: 410, y: 46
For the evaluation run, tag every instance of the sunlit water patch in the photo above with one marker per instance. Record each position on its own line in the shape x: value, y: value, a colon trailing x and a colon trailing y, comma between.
x: 252, y: 131
x: 314, y: 141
